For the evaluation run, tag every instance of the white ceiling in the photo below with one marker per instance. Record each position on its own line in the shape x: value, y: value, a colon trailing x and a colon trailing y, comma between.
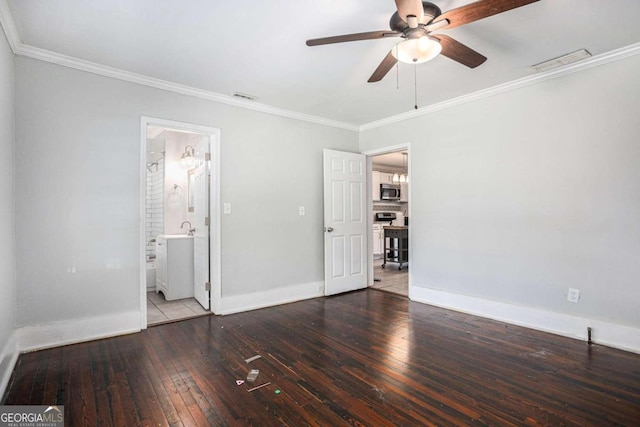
x: 393, y: 160
x: 258, y: 47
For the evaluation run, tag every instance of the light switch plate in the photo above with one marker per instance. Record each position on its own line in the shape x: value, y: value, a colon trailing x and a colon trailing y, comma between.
x: 301, y: 210
x: 227, y: 208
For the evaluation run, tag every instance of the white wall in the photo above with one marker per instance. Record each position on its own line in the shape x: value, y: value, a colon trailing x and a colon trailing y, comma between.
x: 520, y: 196
x: 77, y: 138
x: 515, y: 198
x: 7, y: 223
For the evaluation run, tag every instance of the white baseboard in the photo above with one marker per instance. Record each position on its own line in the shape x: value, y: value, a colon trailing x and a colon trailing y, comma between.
x: 253, y: 301
x: 604, y: 333
x: 78, y: 330
x: 8, y: 358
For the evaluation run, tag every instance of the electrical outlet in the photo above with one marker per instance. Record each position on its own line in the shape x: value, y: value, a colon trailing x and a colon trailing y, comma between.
x: 301, y: 210
x: 573, y: 295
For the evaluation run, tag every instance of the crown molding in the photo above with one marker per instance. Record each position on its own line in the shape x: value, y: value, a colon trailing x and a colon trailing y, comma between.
x: 594, y: 61
x: 9, y: 27
x: 115, y: 73
x: 103, y: 70
x: 19, y: 48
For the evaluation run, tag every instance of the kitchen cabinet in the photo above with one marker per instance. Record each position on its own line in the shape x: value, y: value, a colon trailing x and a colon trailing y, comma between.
x: 404, y: 191
x: 375, y: 186
x: 174, y: 266
x: 386, y: 178
x: 378, y: 239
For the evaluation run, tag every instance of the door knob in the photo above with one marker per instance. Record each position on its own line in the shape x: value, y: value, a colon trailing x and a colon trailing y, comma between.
x: 328, y: 229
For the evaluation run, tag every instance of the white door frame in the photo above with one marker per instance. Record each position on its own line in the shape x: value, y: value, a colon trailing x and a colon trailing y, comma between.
x: 377, y: 152
x: 214, y: 209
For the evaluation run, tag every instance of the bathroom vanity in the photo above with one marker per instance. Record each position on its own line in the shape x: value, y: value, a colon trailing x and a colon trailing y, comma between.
x: 174, y: 266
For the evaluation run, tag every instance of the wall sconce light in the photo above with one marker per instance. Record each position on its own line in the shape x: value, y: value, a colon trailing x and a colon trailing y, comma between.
x: 188, y: 159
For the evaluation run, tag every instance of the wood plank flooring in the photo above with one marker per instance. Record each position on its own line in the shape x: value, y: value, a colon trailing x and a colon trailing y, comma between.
x: 366, y: 358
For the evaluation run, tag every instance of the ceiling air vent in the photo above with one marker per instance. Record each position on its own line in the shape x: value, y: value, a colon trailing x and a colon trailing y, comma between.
x: 245, y: 96
x: 560, y: 61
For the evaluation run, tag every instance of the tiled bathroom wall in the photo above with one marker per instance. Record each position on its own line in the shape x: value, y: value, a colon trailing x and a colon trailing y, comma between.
x: 155, y: 205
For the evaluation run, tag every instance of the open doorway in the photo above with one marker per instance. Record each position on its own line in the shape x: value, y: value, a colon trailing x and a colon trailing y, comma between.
x: 179, y: 221
x: 390, y: 224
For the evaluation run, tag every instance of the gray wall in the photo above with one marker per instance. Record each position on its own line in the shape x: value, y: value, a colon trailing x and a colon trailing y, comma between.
x: 7, y: 224
x: 77, y: 138
x: 517, y: 197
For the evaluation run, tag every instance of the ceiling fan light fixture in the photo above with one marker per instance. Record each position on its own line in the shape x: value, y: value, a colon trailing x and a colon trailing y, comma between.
x: 416, y: 51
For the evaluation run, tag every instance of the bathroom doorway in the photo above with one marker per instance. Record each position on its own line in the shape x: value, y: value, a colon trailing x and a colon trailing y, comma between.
x: 179, y: 187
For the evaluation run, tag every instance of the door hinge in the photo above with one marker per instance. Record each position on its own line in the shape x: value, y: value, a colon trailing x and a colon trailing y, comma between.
x: 207, y: 286
x: 207, y: 156
x: 206, y: 221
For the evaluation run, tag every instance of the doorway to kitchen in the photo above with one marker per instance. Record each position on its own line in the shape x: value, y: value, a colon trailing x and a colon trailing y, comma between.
x: 390, y: 213
x: 179, y: 237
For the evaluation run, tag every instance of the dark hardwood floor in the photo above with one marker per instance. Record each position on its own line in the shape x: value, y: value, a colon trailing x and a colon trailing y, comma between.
x: 366, y: 358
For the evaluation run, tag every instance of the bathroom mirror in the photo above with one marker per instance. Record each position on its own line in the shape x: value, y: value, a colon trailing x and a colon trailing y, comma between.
x: 190, y: 190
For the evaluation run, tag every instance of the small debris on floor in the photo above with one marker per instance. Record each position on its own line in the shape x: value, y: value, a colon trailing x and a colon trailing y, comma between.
x: 257, y: 387
x: 277, y: 391
x: 251, y: 359
x: 253, y: 374
x: 239, y: 382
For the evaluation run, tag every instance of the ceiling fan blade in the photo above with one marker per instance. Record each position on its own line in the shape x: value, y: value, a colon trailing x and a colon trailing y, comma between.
x: 455, y: 50
x: 353, y: 37
x: 479, y: 10
x: 387, y: 64
x: 408, y: 8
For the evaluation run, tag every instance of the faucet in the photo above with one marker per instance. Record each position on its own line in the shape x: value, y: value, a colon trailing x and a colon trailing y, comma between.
x: 190, y: 230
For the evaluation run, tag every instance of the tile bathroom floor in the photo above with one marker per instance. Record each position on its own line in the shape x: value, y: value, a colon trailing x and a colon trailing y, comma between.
x: 391, y: 279
x: 161, y: 311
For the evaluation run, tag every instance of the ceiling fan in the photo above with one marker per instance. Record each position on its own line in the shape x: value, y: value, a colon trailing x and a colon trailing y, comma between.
x: 415, y: 21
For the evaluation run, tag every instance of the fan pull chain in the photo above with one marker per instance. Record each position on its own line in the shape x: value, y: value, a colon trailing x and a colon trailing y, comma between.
x: 415, y: 85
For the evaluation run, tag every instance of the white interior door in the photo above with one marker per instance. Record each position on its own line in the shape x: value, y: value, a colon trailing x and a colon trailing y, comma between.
x: 200, y: 181
x: 345, y: 242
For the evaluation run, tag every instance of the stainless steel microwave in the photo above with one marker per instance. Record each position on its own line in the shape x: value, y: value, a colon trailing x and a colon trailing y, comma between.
x: 389, y: 192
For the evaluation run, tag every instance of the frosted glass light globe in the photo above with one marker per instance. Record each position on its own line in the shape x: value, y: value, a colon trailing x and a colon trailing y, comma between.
x: 416, y: 51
